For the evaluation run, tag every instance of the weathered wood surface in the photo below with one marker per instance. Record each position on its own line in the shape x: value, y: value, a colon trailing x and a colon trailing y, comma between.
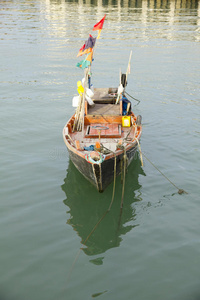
x: 102, y: 109
x: 104, y: 95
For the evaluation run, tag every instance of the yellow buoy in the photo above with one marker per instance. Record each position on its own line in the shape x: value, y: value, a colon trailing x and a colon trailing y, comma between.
x: 80, y: 88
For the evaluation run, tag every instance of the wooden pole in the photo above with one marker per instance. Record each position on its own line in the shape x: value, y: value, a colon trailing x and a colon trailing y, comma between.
x: 128, y: 68
x: 83, y: 104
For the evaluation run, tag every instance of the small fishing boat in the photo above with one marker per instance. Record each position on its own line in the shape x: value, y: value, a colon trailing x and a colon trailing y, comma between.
x: 103, y: 135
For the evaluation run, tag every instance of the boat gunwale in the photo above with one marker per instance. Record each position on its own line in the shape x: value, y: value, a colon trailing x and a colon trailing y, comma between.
x: 82, y: 154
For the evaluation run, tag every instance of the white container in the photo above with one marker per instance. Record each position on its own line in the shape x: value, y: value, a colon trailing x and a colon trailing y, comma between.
x: 75, y: 101
x: 89, y: 100
x: 89, y: 93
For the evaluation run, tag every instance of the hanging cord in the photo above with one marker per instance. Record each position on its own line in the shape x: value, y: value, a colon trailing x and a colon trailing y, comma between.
x: 138, y: 101
x: 180, y: 191
x: 115, y: 171
x: 124, y: 175
x: 126, y: 138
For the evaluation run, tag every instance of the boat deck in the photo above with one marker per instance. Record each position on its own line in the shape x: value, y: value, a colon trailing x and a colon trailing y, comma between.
x: 102, y: 109
x: 108, y: 142
x: 103, y: 124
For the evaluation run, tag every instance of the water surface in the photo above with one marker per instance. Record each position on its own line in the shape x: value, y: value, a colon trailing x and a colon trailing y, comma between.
x: 48, y: 209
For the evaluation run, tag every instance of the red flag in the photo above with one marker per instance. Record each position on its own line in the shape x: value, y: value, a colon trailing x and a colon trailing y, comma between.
x: 99, y: 25
x: 82, y: 48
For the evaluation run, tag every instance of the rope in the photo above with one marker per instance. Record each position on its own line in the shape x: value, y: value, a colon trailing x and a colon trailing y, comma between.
x: 121, y: 169
x: 105, y: 150
x: 100, y: 176
x: 133, y: 98
x: 115, y: 171
x: 129, y: 132
x: 95, y: 227
x: 124, y: 175
x: 180, y: 191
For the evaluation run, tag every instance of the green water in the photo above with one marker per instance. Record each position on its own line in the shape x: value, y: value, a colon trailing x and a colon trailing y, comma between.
x: 47, y: 209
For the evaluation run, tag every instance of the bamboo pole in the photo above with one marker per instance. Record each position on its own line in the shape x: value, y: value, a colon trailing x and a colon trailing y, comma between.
x: 128, y: 68
x: 83, y: 104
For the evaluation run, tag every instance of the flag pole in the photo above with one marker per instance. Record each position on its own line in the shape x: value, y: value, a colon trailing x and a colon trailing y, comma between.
x: 129, y: 64
x: 83, y: 104
x: 128, y: 68
x: 98, y: 26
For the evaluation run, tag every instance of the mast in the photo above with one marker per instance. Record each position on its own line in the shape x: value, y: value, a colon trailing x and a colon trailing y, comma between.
x: 87, y: 48
x: 128, y: 69
x: 83, y: 102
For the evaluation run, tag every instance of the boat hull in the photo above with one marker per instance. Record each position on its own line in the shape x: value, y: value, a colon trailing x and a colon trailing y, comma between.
x: 102, y: 174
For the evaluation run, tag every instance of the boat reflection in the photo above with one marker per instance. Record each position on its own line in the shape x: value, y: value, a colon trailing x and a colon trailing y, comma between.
x: 87, y: 206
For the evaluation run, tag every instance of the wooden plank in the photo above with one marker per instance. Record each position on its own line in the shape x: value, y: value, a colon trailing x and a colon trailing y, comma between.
x: 90, y: 119
x: 102, y: 109
x: 105, y: 131
x: 105, y: 95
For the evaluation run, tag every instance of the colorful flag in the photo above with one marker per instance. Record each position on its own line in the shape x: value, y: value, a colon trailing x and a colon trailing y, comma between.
x: 88, y: 46
x: 86, y: 51
x: 85, y: 63
x: 99, y: 25
x: 89, y: 57
x: 81, y: 50
x: 90, y: 42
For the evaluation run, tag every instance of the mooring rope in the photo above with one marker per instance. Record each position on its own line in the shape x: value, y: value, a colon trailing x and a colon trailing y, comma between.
x: 133, y: 98
x: 124, y: 175
x: 100, y: 177
x: 180, y: 191
x: 115, y: 171
x: 121, y: 170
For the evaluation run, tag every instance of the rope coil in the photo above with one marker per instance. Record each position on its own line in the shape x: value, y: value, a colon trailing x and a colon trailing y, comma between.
x: 93, y: 161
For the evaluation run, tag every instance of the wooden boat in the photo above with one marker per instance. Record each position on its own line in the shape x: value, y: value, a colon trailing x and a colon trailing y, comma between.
x: 105, y: 138
x: 103, y: 135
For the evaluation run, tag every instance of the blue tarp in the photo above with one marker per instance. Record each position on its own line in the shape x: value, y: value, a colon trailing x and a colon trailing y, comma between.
x: 125, y: 102
x: 90, y: 148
